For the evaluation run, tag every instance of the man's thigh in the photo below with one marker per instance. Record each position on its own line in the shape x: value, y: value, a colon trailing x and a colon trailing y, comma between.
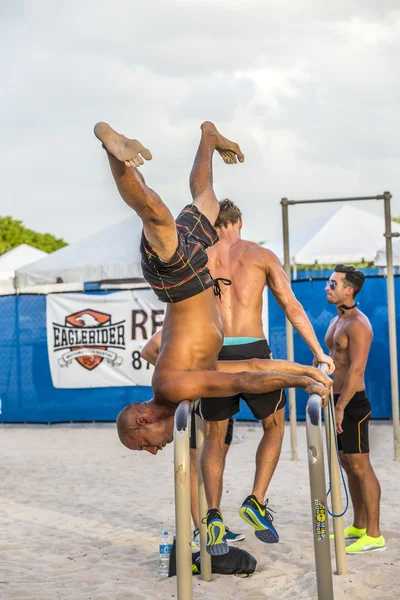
x: 216, y: 431
x: 355, y: 425
x: 359, y: 464
x: 161, y: 234
x: 275, y: 421
x: 228, y: 430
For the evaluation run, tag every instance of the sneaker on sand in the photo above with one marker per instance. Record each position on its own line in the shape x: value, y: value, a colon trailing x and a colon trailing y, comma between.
x: 367, y: 544
x: 229, y: 535
x: 259, y: 516
x: 233, y: 537
x: 351, y: 533
x: 216, y: 540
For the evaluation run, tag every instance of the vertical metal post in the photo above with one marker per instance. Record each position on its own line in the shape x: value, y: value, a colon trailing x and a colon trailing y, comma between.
x: 336, y: 496
x: 182, y: 502
x: 392, y: 327
x: 18, y: 350
x: 205, y: 558
x: 289, y: 332
x: 319, y: 513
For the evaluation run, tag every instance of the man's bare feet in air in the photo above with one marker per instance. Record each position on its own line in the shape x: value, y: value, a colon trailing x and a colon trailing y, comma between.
x: 124, y: 149
x: 229, y: 151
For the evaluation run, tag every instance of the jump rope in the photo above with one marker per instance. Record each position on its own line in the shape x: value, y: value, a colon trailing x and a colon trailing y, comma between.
x: 331, y: 419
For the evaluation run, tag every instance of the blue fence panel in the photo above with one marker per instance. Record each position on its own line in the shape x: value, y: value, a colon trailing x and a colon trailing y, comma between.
x: 26, y: 389
x: 27, y: 393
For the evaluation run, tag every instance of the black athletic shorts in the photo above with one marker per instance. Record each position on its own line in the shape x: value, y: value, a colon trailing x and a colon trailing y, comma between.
x: 186, y: 274
x: 261, y: 405
x: 228, y: 436
x: 355, y: 438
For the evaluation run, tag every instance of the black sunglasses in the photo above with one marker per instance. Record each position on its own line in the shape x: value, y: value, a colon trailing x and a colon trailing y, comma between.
x: 332, y: 284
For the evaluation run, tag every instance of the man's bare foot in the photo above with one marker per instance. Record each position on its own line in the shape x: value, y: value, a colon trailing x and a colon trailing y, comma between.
x: 229, y: 151
x: 124, y: 149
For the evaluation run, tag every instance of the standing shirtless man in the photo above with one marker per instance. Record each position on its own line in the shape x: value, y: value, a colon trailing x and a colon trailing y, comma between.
x: 349, y: 339
x: 174, y: 262
x: 250, y: 267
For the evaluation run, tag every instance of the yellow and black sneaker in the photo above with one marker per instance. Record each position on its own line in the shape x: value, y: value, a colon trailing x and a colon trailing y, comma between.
x: 216, y: 540
x: 259, y: 516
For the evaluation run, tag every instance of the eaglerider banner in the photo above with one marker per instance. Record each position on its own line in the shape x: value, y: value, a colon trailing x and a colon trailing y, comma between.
x: 94, y: 340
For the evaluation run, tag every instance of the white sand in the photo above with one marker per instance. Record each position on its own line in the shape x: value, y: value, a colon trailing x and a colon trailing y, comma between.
x: 81, y: 518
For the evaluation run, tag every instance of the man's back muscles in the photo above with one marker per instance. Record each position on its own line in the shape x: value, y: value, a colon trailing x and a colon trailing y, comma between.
x: 244, y: 264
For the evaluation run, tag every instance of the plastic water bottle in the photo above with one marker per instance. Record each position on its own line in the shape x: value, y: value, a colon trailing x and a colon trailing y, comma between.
x: 165, y: 553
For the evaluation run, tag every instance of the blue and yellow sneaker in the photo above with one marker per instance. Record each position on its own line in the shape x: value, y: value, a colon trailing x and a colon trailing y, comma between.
x: 259, y: 516
x: 216, y: 540
x: 233, y: 537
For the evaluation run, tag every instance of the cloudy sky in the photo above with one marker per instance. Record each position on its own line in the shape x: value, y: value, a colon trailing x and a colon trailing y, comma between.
x: 309, y: 89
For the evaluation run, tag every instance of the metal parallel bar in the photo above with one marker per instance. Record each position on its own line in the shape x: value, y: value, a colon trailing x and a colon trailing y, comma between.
x: 182, y: 502
x: 336, y: 494
x: 205, y: 558
x: 319, y: 513
x: 289, y: 333
x: 392, y: 327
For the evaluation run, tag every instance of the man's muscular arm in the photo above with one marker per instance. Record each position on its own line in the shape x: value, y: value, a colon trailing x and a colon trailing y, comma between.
x: 210, y: 384
x: 279, y: 285
x: 151, y: 350
x: 265, y: 365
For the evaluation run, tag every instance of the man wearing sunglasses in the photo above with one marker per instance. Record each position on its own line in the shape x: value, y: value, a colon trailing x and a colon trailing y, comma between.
x: 349, y: 339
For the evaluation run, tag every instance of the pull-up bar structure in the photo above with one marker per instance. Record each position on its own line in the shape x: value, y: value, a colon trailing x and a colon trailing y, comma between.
x: 182, y: 503
x: 386, y: 197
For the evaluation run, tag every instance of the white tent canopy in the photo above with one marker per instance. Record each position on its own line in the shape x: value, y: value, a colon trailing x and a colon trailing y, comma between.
x: 348, y: 235
x: 380, y: 259
x: 18, y: 257
x: 107, y: 255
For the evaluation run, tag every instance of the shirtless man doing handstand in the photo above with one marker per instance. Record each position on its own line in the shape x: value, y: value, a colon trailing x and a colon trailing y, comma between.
x: 249, y: 267
x: 174, y: 262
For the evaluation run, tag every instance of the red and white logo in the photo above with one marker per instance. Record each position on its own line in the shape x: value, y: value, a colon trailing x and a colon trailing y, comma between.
x: 88, y: 336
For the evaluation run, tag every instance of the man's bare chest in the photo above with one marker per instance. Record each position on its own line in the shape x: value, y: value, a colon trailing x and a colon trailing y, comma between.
x: 336, y: 337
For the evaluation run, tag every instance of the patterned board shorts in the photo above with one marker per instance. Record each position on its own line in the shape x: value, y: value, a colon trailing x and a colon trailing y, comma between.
x: 186, y: 274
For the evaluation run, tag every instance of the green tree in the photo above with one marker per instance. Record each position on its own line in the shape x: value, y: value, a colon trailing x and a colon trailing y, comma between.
x: 13, y: 233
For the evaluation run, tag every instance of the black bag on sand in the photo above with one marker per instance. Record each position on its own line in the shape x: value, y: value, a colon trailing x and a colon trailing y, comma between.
x: 235, y: 562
